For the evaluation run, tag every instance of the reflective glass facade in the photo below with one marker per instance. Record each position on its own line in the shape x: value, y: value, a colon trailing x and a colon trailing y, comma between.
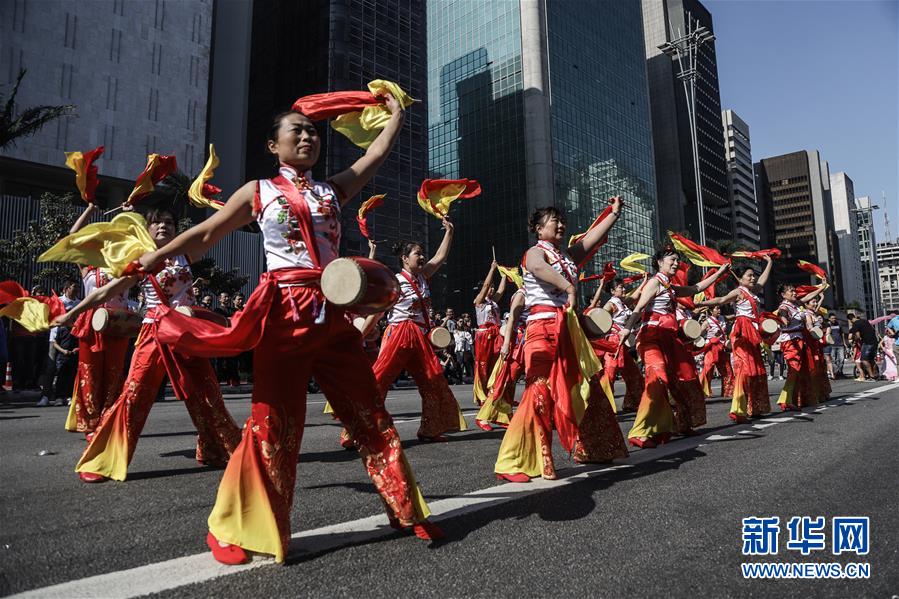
x: 602, y: 137
x: 475, y: 130
x: 599, y: 123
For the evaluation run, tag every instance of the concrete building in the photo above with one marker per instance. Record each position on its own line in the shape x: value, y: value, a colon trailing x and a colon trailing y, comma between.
x: 888, y: 274
x: 137, y: 72
x: 842, y: 193
x: 538, y: 120
x: 867, y: 236
x: 664, y: 21
x: 744, y: 211
x: 799, y: 216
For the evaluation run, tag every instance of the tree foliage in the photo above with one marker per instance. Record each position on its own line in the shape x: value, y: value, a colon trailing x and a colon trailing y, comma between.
x: 18, y: 254
x: 27, y: 122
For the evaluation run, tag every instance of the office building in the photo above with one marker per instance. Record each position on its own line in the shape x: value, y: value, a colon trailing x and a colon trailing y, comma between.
x: 664, y: 21
x: 744, y: 212
x: 538, y: 120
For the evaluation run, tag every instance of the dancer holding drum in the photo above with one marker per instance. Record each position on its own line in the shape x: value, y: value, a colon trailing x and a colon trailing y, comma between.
x: 101, y: 353
x: 407, y: 340
x: 296, y: 334
x: 620, y: 307
x: 551, y: 347
x: 501, y: 394
x: 750, y: 390
x: 819, y: 383
x: 796, y: 392
x: 716, y: 354
x: 487, y: 338
x: 664, y: 357
x: 193, y: 380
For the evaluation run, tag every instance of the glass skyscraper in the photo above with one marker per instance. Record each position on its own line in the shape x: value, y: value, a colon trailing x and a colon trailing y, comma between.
x: 544, y: 103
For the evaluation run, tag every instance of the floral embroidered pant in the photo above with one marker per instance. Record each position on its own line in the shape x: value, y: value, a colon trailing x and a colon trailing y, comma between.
x: 671, y: 382
x: 487, y: 344
x: 717, y: 357
x: 252, y: 508
x: 193, y: 381
x: 527, y: 445
x: 404, y: 347
x: 630, y: 373
x: 99, y: 379
x: 797, y: 390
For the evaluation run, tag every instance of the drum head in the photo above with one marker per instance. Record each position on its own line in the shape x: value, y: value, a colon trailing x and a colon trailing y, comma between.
x: 343, y: 282
x: 700, y: 342
x: 769, y: 326
x: 184, y: 310
x: 359, y: 323
x: 816, y: 332
x: 441, y: 337
x: 691, y: 328
x: 631, y: 341
x: 601, y: 319
x: 829, y: 339
x: 100, y: 319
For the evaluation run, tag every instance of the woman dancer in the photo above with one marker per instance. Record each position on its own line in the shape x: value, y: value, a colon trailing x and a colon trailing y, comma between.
x: 664, y: 357
x: 487, y: 338
x: 501, y: 388
x: 550, y: 283
x: 716, y: 354
x: 750, y: 388
x: 796, y: 392
x: 819, y: 382
x: 112, y: 446
x: 620, y: 307
x: 295, y: 335
x: 405, y: 346
x: 101, y: 357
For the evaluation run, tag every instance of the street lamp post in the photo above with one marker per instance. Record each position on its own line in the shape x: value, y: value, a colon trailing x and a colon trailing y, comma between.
x: 685, y: 49
x: 873, y: 275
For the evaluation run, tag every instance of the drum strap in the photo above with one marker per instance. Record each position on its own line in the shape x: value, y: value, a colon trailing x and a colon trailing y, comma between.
x: 163, y: 298
x: 751, y: 299
x: 300, y: 209
x: 421, y: 299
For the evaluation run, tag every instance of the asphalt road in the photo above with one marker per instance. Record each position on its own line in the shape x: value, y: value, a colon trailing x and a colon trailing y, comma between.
x: 664, y: 522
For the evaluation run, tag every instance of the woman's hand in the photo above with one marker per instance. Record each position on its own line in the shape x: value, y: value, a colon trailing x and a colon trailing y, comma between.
x: 448, y: 225
x: 393, y: 105
x: 616, y: 204
x: 63, y: 320
x: 572, y: 297
x: 148, y: 261
x: 504, y: 351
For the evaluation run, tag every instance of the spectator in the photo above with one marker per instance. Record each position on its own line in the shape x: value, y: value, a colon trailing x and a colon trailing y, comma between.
x: 463, y: 349
x: 206, y: 302
x: 448, y: 364
x: 66, y: 346
x: 450, y: 321
x: 835, y: 353
x: 863, y: 333
x: 777, y: 358
x: 226, y: 368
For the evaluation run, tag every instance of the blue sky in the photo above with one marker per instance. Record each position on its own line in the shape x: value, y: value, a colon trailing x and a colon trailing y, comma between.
x: 812, y: 74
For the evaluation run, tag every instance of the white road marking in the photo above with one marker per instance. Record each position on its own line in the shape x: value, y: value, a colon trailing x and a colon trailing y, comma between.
x: 192, y: 569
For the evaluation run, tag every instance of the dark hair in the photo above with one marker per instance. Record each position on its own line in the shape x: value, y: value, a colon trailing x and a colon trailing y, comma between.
x: 617, y: 281
x: 155, y: 214
x: 851, y: 316
x: 542, y: 214
x: 276, y: 123
x: 783, y: 287
x: 741, y: 270
x: 403, y: 248
x: 665, y: 250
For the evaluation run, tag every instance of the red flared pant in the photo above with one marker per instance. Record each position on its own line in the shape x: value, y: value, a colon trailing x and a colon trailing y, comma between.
x: 624, y: 365
x: 193, y: 381
x: 101, y: 368
x: 718, y: 357
x: 487, y: 344
x: 404, y: 347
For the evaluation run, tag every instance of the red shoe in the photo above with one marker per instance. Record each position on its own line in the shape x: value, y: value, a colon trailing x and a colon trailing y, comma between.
x: 437, y: 439
x: 737, y: 418
x: 347, y: 444
x: 89, y: 436
x: 484, y: 426
x: 230, y: 555
x: 519, y: 477
x: 91, y: 477
x: 642, y: 443
x: 428, y: 531
x: 661, y: 438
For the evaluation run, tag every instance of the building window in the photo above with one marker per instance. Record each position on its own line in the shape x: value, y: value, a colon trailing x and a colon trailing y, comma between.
x: 112, y: 93
x: 153, y: 110
x: 115, y: 46
x: 156, y: 66
x: 62, y: 133
x: 118, y: 7
x: 109, y: 141
x: 159, y: 15
x: 18, y: 16
x: 71, y: 28
x: 65, y: 81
